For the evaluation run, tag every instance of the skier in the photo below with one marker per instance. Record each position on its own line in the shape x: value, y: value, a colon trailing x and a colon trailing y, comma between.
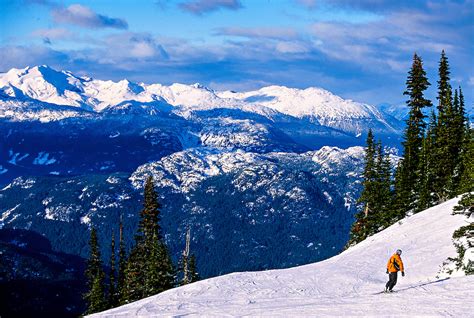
x: 394, y: 265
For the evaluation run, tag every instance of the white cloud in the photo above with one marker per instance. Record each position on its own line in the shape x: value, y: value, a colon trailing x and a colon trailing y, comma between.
x: 470, y: 81
x: 260, y: 32
x: 203, y: 6
x: 53, y: 34
x: 83, y: 16
x: 143, y: 50
x: 292, y: 47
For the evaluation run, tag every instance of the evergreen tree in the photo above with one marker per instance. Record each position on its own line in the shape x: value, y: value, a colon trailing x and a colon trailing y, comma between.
x: 376, y: 196
x: 135, y: 275
x: 122, y: 263
x: 149, y: 268
x: 384, y: 194
x: 112, y: 276
x: 462, y: 120
x: 461, y: 137
x: 369, y: 191
x: 408, y: 173
x: 444, y: 152
x: 95, y: 297
x: 161, y: 271
x: 194, y: 275
x: 444, y: 88
x: 183, y: 269
x: 427, y: 161
x: 361, y: 227
x: 466, y: 183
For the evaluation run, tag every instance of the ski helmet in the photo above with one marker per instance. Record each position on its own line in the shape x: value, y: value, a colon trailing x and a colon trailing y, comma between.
x: 399, y: 252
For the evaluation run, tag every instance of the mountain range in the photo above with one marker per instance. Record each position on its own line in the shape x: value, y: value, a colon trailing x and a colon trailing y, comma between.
x: 317, y: 105
x: 90, y: 121
x: 264, y: 179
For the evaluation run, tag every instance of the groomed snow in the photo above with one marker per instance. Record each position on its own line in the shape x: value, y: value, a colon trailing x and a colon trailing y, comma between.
x: 345, y: 285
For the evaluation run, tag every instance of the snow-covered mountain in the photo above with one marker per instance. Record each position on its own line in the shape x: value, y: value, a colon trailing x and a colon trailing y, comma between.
x: 85, y: 125
x: 303, y: 202
x: 319, y: 106
x: 348, y: 284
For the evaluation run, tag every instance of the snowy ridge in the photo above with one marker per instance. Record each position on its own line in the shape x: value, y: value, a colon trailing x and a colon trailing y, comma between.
x: 315, y: 103
x: 45, y: 84
x: 347, y: 284
x: 31, y: 110
x: 304, y: 206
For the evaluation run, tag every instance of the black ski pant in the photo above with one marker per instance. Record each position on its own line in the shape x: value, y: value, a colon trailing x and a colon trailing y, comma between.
x: 392, y: 280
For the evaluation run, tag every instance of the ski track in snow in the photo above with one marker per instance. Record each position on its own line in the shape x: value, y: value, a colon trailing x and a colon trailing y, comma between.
x: 345, y: 285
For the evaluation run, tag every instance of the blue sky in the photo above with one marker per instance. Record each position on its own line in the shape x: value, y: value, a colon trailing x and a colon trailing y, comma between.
x: 360, y: 50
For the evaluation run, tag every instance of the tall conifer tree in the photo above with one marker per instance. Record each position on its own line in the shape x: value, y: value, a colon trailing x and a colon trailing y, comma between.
x: 361, y: 227
x: 95, y: 297
x: 193, y: 269
x: 149, y: 268
x: 460, y: 132
x: 427, y: 162
x: 445, y: 158
x: 112, y: 276
x: 408, y: 173
x: 467, y: 177
x: 376, y: 196
x: 122, y: 263
x: 384, y: 193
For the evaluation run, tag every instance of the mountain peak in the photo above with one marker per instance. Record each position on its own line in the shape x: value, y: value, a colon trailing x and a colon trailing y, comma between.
x: 315, y: 104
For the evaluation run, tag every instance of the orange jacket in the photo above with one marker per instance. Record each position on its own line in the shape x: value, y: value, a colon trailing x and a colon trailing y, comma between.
x: 395, y: 264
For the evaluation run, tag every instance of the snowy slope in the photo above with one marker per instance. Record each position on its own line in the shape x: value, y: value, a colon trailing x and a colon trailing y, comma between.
x: 345, y: 285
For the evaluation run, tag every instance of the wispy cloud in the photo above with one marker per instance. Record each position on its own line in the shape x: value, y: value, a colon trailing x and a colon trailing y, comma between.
x: 48, y: 3
x: 21, y: 56
x: 84, y: 17
x: 309, y: 4
x: 387, y: 42
x: 470, y: 81
x: 373, y: 5
x: 203, y: 6
x: 261, y: 32
x: 122, y: 51
x: 49, y: 35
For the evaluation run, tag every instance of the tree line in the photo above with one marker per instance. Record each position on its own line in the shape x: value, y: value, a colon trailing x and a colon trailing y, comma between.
x: 145, y: 271
x: 437, y: 164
